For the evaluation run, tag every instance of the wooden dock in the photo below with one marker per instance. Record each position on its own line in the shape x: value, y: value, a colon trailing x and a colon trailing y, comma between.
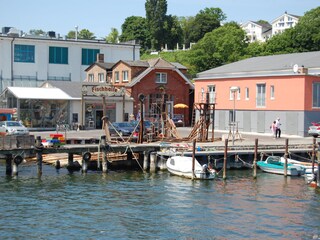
x: 95, y: 153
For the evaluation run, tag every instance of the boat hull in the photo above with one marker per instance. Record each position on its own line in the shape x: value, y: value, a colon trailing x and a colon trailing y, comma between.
x: 182, y: 166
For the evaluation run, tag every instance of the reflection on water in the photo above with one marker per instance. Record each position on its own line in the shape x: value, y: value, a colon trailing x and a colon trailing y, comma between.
x: 136, y: 205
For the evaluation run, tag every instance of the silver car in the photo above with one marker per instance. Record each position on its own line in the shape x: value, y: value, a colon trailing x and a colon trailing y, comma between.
x: 13, y: 128
x: 314, y: 129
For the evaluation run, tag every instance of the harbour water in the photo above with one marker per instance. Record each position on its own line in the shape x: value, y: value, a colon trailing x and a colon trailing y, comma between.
x: 136, y: 205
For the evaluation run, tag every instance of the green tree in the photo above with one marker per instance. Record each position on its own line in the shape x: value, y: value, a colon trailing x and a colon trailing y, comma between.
x: 172, y: 31
x: 206, y: 21
x: 86, y: 34
x: 71, y: 35
x: 186, y: 24
x: 113, y: 36
x: 306, y: 34
x: 36, y: 32
x: 221, y: 46
x: 135, y: 28
x: 156, y: 15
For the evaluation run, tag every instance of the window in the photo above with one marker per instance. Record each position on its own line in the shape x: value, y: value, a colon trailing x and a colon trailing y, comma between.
x: 161, y: 78
x: 58, y: 55
x: 261, y: 95
x: 233, y: 93
x: 125, y: 76
x: 89, y: 56
x: 316, y: 95
x: 202, y: 94
x: 116, y: 76
x: 101, y: 77
x: 90, y: 77
x: 271, y: 92
x: 212, y: 93
x: 24, y: 53
x: 247, y: 93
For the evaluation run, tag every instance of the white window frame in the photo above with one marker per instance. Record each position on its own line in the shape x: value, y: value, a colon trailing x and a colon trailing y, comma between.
x: 247, y: 93
x: 161, y: 77
x: 272, y: 92
x: 90, y: 77
x: 125, y: 76
x: 116, y: 77
x: 261, y: 95
x: 101, y: 77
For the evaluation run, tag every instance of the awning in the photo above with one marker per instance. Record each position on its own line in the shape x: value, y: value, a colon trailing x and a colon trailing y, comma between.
x: 39, y: 93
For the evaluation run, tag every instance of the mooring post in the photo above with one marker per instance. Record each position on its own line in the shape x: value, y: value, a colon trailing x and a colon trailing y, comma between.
x: 255, y: 158
x: 70, y: 159
x: 15, y: 163
x: 145, y: 160
x: 225, y: 159
x: 39, y: 149
x: 9, y: 164
x: 318, y: 174
x: 104, y: 154
x: 313, y: 154
x: 193, y: 156
x: 286, y: 159
x: 86, y: 156
x: 153, y: 159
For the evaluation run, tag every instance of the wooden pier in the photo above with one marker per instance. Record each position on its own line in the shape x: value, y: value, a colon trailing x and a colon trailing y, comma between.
x: 95, y: 153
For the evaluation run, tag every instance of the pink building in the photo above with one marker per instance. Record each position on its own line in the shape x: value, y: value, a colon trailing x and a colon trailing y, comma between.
x: 255, y: 91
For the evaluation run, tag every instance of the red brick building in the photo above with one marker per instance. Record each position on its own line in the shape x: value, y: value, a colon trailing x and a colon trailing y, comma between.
x: 163, y: 84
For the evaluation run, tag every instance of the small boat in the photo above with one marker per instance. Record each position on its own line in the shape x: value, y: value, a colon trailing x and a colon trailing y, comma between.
x: 273, y: 164
x: 182, y: 166
x: 309, y: 176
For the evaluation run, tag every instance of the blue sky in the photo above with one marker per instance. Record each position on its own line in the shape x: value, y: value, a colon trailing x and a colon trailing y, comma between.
x: 99, y: 16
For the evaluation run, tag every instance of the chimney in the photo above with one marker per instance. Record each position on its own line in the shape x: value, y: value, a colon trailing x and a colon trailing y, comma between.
x: 100, y: 57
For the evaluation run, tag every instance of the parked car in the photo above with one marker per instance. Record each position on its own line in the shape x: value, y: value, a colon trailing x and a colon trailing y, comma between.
x: 178, y: 120
x: 123, y: 128
x: 147, y: 125
x: 314, y: 129
x: 13, y: 128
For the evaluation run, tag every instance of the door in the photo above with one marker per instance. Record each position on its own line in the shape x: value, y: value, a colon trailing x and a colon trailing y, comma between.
x: 99, y: 115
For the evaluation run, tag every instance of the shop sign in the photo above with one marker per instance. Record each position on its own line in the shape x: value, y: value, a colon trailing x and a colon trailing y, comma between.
x: 106, y: 91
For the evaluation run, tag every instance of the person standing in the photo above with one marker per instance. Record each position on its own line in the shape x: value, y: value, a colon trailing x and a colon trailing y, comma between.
x: 273, y: 129
x: 278, y: 129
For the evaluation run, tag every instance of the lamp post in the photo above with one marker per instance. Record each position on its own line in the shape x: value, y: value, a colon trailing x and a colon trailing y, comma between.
x: 84, y: 92
x: 233, y: 89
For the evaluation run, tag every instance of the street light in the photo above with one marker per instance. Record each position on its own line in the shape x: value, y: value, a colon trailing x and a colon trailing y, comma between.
x: 84, y: 91
x: 233, y: 89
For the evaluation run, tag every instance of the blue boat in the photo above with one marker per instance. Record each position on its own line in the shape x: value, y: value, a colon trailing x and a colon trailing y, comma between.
x: 273, y: 164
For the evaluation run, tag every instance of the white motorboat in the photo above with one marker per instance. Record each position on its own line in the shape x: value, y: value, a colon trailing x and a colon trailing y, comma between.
x: 306, y: 165
x: 182, y: 166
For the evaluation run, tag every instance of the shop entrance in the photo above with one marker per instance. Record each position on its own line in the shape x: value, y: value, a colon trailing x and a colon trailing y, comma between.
x: 99, y: 115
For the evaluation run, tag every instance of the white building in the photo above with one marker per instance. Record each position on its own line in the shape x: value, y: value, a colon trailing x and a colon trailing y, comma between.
x: 284, y: 22
x: 28, y: 61
x: 263, y: 31
x: 257, y: 31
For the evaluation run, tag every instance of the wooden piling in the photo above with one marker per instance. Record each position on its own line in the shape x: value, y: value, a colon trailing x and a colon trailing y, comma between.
x: 313, y: 153
x: 9, y: 160
x: 286, y: 158
x: 193, y: 156
x: 39, y: 148
x: 145, y: 160
x: 225, y: 159
x: 104, y: 154
x: 255, y: 158
x: 70, y: 159
x: 153, y: 158
x: 318, y: 174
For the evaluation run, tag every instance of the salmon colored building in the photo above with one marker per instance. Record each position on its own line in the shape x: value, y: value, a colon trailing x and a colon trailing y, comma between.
x: 256, y: 91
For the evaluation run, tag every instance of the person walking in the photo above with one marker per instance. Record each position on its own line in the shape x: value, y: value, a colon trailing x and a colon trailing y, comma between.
x: 273, y: 129
x: 278, y: 129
